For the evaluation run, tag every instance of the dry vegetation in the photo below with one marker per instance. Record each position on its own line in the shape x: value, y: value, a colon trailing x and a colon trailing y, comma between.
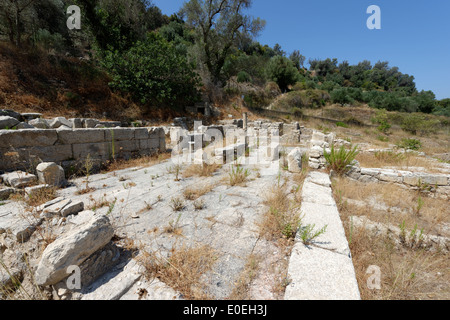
x: 281, y: 221
x: 193, y: 193
x: 407, y: 272
x: 398, y: 160
x: 34, y: 81
x: 140, y: 162
x: 182, y: 270
x: 198, y: 170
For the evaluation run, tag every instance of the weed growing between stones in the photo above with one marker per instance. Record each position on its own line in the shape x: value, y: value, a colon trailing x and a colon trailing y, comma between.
x: 282, y: 219
x: 339, y: 160
x: 308, y: 234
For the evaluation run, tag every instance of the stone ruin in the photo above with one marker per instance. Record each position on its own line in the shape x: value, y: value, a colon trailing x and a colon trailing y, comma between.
x: 87, y: 243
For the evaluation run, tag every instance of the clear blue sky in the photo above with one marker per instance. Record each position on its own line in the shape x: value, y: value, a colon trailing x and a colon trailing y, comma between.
x: 414, y: 35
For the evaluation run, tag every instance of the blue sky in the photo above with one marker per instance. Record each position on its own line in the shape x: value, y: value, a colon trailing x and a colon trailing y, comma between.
x: 414, y: 35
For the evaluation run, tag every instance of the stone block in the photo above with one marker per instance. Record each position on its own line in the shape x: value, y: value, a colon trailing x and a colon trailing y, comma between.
x: 27, y: 138
x: 60, y: 121
x: 101, y: 150
x: 19, y: 179
x: 77, y: 123
x: 90, y: 123
x: 294, y: 159
x: 390, y: 177
x: 72, y: 208
x: 81, y: 136
x: 51, y: 173
x: 7, y: 122
x: 39, y: 123
x: 73, y: 248
x: 140, y: 133
x: 24, y: 125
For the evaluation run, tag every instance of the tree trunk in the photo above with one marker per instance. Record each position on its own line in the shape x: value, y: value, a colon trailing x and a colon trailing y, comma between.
x: 18, y: 33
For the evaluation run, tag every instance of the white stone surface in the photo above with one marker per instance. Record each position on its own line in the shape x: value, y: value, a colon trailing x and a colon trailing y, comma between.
x: 322, y: 270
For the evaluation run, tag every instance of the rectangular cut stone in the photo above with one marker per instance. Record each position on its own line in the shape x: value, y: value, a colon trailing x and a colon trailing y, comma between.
x: 27, y: 138
x: 81, y: 136
x: 143, y: 144
x: 440, y: 180
x: 100, y: 150
x: 370, y: 172
x: 55, y: 153
x: 411, y: 179
x: 156, y: 133
x: 140, y: 133
x: 162, y: 144
x: 119, y: 134
x: 390, y: 177
x: 153, y: 143
x: 128, y: 146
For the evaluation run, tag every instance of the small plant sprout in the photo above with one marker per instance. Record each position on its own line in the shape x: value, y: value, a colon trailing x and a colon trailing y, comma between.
x: 177, y: 204
x: 88, y: 165
x: 308, y: 234
x: 199, y: 205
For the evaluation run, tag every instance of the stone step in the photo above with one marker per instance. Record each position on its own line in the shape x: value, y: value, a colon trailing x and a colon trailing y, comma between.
x: 322, y: 270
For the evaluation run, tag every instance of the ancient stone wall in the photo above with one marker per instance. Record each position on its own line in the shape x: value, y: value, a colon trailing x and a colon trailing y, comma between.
x: 433, y: 183
x: 20, y: 148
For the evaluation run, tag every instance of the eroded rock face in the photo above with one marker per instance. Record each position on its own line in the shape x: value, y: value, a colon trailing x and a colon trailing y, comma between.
x: 72, y: 249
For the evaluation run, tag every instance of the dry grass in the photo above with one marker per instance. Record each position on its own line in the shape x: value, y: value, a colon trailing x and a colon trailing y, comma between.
x: 37, y: 198
x: 402, y: 161
x: 241, y: 291
x: 406, y: 273
x: 193, y: 193
x: 183, y: 270
x: 141, y: 162
x: 430, y: 216
x: 238, y: 176
x: 198, y: 170
x: 282, y: 219
x: 102, y: 202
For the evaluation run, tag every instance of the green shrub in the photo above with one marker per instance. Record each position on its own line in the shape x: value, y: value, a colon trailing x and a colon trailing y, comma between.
x: 409, y: 143
x: 415, y: 123
x: 282, y: 71
x: 243, y: 76
x: 339, y: 160
x: 381, y: 118
x: 341, y: 124
x: 297, y: 112
x: 341, y: 97
x: 153, y: 71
